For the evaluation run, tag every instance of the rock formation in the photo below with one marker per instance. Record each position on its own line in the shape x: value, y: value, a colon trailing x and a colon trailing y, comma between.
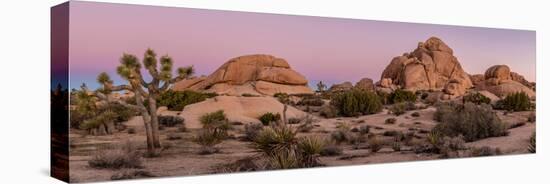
x: 365, y: 84
x: 431, y: 66
x: 252, y: 74
x: 345, y: 86
x: 501, y: 81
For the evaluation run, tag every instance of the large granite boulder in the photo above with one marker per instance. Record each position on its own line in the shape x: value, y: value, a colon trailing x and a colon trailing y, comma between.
x: 365, y: 84
x: 345, y: 86
x: 431, y: 66
x: 252, y: 74
x: 501, y: 81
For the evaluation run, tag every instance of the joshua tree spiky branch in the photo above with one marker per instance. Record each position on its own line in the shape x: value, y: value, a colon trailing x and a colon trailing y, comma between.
x: 321, y: 86
x: 144, y: 92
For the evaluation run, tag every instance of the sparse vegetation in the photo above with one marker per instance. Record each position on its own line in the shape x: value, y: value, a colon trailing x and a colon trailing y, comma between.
x: 177, y: 100
x: 171, y: 121
x: 532, y: 117
x: 331, y: 150
x: 375, y: 144
x: 311, y: 101
x: 390, y: 121
x: 125, y: 157
x: 328, y: 111
x: 356, y: 103
x: 400, y: 95
x: 515, y: 102
x: 208, y: 139
x: 476, y: 98
x: 415, y: 114
x: 251, y: 130
x: 131, y: 174
x: 216, y: 122
x: 473, y: 121
x: 269, y: 118
x: 484, y: 151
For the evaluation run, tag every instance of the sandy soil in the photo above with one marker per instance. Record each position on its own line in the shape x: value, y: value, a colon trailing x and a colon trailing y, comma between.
x: 182, y: 158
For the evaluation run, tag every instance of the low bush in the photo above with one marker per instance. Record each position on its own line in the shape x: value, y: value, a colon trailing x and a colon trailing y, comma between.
x: 356, y: 103
x: 170, y: 121
x: 415, y: 114
x: 328, y: 111
x: 177, y: 100
x: 294, y: 120
x: 311, y: 101
x: 131, y: 131
x: 472, y: 121
x: 269, y: 117
x: 375, y: 144
x: 396, y: 146
x: 515, y: 102
x: 131, y: 174
x: 476, y: 98
x: 208, y: 139
x: 217, y: 122
x: 125, y: 157
x: 399, y: 95
x: 364, y: 129
x: 251, y: 130
x: 532, y: 117
x: 485, y: 151
x: 390, y: 121
x: 332, y: 150
x: 248, y: 95
x: 173, y: 136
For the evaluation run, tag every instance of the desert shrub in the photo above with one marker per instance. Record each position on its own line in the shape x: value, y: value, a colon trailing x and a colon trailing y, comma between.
x: 294, y: 120
x: 269, y: 117
x: 485, y: 151
x: 375, y: 144
x: 251, y: 130
x: 390, y: 121
x: 125, y: 157
x: 131, y: 131
x: 328, y: 111
x: 177, y: 100
x: 208, y: 139
x: 400, y: 95
x: 515, y: 102
x: 356, y: 103
x: 217, y: 122
x: 415, y: 114
x: 131, y: 174
x: 182, y: 128
x: 449, y: 146
x: 99, y: 120
x: 173, y: 136
x: 398, y: 109
x: 472, y: 121
x: 364, y: 129
x: 248, y: 95
x: 311, y: 101
x: 476, y: 98
x: 532, y: 148
x: 331, y: 150
x: 532, y: 117
x: 392, y: 133
x: 284, y: 150
x: 396, y: 146
x: 170, y: 121
x: 307, y: 126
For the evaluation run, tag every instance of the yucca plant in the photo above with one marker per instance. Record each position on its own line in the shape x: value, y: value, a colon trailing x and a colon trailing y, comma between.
x: 310, y: 148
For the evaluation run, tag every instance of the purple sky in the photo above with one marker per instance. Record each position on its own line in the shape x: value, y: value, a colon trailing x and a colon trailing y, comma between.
x: 327, y: 49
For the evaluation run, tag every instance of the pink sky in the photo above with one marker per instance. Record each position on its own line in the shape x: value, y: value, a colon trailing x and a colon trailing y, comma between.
x: 328, y: 49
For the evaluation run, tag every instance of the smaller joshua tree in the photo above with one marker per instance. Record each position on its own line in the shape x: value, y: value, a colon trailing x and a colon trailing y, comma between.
x: 321, y: 86
x: 144, y: 92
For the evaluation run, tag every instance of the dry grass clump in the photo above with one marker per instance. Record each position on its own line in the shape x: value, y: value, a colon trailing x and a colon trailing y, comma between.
x: 532, y: 148
x: 251, y: 130
x: 390, y: 121
x: 131, y: 174
x: 332, y: 150
x: 125, y: 157
x: 307, y: 126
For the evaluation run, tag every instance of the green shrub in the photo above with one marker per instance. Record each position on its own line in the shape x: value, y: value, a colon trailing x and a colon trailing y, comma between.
x: 99, y: 120
x: 515, y: 102
x: 375, y: 144
x: 125, y: 157
x: 476, y: 98
x: 415, y: 114
x: 269, y: 117
x: 307, y: 126
x: 208, y: 139
x: 177, y: 100
x: 170, y: 121
x: 400, y: 95
x: 248, y: 95
x: 217, y: 122
x: 356, y: 103
x: 396, y: 146
x: 472, y: 121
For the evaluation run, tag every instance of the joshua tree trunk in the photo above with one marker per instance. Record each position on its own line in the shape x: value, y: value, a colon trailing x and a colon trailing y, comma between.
x: 284, y: 114
x: 154, y: 122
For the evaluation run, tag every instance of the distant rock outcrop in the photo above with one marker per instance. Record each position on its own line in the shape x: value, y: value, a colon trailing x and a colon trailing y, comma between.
x: 431, y: 66
x: 501, y: 81
x: 345, y: 86
x: 252, y: 74
x: 365, y: 84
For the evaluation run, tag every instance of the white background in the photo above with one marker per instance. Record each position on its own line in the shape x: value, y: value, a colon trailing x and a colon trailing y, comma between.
x: 24, y: 90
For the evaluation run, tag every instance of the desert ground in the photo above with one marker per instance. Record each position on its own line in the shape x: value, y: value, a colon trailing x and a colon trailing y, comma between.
x: 424, y: 107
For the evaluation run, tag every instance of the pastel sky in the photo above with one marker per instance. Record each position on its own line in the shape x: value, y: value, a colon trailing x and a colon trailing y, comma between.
x: 328, y: 49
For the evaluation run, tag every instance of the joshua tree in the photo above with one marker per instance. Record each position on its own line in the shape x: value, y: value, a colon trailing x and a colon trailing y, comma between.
x: 321, y: 86
x: 145, y: 93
